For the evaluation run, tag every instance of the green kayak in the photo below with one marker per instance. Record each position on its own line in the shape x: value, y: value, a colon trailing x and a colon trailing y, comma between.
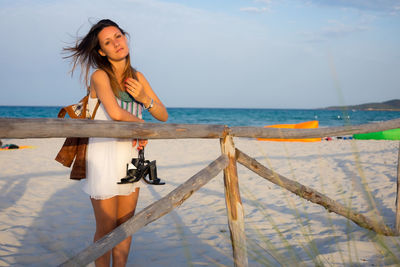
x: 393, y: 134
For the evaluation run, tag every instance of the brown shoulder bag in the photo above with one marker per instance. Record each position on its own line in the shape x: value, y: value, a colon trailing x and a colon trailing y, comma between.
x: 74, y: 148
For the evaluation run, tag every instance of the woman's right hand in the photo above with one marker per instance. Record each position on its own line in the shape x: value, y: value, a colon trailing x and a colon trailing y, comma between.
x: 136, y: 89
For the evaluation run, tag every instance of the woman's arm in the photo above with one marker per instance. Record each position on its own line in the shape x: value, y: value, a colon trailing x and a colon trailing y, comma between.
x: 142, y: 92
x: 101, y: 84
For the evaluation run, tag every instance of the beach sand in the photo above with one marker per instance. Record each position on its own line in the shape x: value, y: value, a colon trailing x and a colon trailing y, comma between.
x: 45, y: 218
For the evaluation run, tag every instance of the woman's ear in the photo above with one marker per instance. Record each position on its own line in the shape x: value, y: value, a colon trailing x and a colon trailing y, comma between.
x: 101, y: 53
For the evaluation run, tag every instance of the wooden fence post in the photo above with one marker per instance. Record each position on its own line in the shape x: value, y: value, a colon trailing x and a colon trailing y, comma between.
x: 398, y: 194
x: 234, y: 203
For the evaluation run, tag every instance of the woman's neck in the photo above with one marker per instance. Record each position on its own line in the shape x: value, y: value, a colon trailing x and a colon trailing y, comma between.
x: 118, y: 68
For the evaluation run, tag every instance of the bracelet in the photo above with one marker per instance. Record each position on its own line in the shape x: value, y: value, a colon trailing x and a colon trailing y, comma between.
x: 150, y: 106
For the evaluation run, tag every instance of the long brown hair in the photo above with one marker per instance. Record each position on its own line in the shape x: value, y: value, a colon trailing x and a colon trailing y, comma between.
x: 85, y: 53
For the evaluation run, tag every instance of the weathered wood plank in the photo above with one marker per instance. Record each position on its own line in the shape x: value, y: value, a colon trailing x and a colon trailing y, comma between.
x: 234, y: 204
x: 313, y: 195
x: 151, y: 213
x: 398, y: 194
x: 48, y: 128
x: 258, y: 132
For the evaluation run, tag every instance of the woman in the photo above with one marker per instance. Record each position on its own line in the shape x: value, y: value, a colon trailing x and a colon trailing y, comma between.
x: 123, y: 92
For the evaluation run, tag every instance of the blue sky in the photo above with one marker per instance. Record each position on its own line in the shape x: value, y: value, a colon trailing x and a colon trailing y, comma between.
x: 237, y: 53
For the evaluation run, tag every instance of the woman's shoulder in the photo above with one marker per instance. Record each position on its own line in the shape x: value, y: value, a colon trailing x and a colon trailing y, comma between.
x: 99, y: 75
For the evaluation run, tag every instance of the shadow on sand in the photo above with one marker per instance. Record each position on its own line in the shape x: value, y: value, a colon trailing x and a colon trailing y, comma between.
x: 65, y: 226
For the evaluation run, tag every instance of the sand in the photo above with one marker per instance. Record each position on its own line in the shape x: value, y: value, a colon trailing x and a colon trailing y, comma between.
x: 45, y: 218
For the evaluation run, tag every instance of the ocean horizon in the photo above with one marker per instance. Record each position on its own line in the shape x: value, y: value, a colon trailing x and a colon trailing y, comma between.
x: 233, y: 116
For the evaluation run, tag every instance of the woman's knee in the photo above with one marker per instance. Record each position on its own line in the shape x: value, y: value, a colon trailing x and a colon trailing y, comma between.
x: 104, y: 227
x: 127, y: 206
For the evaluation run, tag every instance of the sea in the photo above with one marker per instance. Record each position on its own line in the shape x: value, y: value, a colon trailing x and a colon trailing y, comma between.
x: 234, y: 116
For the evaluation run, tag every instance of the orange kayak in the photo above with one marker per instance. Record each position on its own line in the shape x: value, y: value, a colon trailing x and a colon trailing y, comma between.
x: 302, y: 125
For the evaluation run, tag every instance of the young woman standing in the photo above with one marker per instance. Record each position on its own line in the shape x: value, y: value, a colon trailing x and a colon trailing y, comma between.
x: 123, y: 93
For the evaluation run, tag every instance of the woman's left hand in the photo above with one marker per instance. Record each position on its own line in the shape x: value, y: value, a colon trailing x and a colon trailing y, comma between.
x: 136, y: 89
x: 142, y: 143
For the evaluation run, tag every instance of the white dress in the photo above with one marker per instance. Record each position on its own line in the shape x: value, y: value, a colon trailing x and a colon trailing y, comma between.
x: 107, y: 158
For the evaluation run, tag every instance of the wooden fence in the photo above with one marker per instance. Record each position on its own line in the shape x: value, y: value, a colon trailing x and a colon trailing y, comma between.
x: 49, y: 128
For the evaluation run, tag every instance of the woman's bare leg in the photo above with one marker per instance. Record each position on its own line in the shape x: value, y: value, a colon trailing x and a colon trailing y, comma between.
x: 126, y: 206
x: 105, y: 213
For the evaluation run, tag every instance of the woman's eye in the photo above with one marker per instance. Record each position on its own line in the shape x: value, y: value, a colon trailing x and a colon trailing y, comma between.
x: 106, y: 43
x: 119, y: 36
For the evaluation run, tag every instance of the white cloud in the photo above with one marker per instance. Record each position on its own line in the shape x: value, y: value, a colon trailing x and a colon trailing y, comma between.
x: 341, y: 30
x: 260, y: 9
x: 395, y: 11
x: 263, y: 1
x: 385, y: 6
x: 254, y: 9
x: 335, y: 30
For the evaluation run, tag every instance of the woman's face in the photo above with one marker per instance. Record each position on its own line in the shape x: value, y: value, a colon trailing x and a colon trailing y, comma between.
x: 113, y: 44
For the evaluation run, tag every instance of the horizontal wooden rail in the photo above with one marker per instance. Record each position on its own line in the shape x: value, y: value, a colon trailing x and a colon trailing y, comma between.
x: 281, y: 133
x: 48, y: 128
x: 156, y: 210
x: 313, y: 195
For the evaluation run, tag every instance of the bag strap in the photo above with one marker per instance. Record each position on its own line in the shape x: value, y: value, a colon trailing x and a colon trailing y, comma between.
x: 95, y: 110
x: 70, y: 110
x: 61, y: 113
